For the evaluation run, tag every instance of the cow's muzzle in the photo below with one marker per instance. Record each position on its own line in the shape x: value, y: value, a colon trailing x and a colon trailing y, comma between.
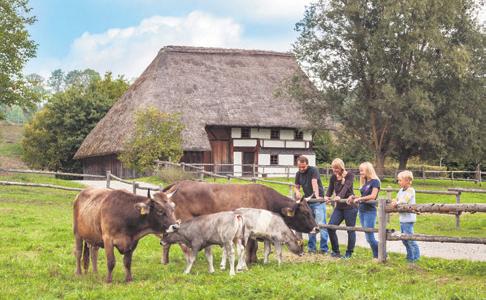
x: 315, y: 230
x: 173, y: 228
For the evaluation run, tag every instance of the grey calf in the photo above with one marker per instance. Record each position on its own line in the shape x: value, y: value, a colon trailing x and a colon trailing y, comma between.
x: 224, y: 229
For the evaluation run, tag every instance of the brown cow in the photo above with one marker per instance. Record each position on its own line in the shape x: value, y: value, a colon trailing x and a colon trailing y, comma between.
x: 200, y: 198
x: 117, y: 218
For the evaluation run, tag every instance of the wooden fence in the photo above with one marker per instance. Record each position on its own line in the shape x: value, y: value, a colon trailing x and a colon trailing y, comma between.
x: 385, y: 234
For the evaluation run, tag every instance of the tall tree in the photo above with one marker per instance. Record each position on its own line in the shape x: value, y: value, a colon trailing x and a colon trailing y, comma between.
x: 376, y: 63
x: 16, y: 48
x: 56, y: 132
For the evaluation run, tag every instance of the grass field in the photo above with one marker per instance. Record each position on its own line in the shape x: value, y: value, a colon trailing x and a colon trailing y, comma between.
x: 10, y: 147
x: 37, y: 262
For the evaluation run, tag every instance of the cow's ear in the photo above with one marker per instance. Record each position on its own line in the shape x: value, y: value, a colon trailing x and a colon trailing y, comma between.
x: 287, y: 211
x: 143, y: 208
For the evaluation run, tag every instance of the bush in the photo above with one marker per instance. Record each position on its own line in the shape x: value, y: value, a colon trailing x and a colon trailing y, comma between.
x: 170, y: 175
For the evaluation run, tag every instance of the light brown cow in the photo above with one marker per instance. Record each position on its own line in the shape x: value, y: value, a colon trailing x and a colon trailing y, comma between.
x: 117, y: 219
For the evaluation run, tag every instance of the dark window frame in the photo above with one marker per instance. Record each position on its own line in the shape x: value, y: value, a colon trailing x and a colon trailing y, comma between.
x: 298, y: 135
x: 295, y: 158
x: 274, y: 134
x: 245, y: 132
x: 274, y: 159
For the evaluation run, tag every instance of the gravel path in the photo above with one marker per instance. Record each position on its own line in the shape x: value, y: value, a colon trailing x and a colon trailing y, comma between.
x: 429, y: 249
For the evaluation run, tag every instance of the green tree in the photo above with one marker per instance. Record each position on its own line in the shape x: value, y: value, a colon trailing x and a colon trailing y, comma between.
x: 16, y: 48
x: 377, y: 63
x: 157, y: 135
x: 56, y: 132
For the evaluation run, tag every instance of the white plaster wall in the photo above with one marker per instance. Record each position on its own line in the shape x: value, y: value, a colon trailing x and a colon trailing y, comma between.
x: 273, y: 144
x: 312, y: 159
x: 236, y: 133
x: 237, y: 159
x: 244, y: 143
x: 286, y: 134
x: 286, y: 159
x: 263, y: 159
x: 307, y: 135
x: 296, y: 144
x: 260, y: 133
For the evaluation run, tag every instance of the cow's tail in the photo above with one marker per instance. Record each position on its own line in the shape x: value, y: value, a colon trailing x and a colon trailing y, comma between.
x: 240, y: 229
x: 85, y: 255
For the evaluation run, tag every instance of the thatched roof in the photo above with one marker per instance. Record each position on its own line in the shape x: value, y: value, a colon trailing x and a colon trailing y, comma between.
x: 208, y: 86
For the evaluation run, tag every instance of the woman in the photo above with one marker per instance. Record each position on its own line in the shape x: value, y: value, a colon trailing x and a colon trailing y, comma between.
x: 369, y: 188
x: 341, y: 184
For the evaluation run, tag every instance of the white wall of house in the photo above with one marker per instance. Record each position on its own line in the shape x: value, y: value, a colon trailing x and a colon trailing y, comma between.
x: 260, y: 133
x: 235, y: 133
x: 244, y: 143
x: 286, y: 134
x: 237, y: 160
x: 286, y: 141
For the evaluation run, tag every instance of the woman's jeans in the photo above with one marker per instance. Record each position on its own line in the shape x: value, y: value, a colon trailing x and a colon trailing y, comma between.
x: 319, y: 211
x: 337, y: 217
x: 413, y: 252
x: 368, y: 220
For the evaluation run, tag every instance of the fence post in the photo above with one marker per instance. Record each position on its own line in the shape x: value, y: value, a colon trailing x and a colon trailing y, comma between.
x: 389, y: 198
x: 108, y: 178
x: 201, y: 175
x: 253, y: 170
x: 183, y: 165
x: 134, y: 187
x: 229, y: 179
x: 423, y: 173
x: 458, y: 215
x: 291, y: 192
x: 382, y: 231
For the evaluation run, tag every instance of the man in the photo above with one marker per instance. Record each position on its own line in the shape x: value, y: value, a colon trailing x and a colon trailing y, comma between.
x: 310, y: 180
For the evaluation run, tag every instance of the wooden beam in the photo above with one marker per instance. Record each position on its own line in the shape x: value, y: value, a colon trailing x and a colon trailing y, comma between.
x: 348, y: 228
x: 39, y: 185
x: 438, y: 208
x: 429, y: 238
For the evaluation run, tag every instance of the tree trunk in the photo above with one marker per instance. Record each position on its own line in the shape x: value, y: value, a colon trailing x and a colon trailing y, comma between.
x: 403, y: 160
x: 380, y: 164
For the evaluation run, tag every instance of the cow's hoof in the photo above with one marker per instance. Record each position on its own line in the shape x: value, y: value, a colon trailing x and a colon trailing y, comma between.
x: 222, y: 268
x: 232, y: 274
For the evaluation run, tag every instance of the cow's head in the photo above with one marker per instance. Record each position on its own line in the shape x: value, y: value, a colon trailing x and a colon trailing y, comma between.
x: 299, y: 217
x: 296, y: 245
x: 160, y: 211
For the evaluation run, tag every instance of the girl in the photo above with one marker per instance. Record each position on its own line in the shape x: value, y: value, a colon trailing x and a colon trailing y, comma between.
x: 369, y: 188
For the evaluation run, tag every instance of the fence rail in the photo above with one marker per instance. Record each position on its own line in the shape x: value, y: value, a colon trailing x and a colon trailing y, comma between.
x: 50, y: 173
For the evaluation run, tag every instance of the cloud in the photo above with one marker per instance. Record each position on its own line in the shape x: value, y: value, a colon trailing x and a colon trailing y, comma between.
x: 273, y: 9
x: 128, y: 51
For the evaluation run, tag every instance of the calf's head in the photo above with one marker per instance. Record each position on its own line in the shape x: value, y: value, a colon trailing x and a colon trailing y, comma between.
x: 300, y: 218
x: 159, y: 211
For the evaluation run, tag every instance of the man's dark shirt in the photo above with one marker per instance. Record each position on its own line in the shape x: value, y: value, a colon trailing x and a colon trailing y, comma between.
x: 305, y: 181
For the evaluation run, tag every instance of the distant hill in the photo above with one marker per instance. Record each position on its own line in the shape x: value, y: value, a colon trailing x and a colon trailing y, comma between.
x: 10, y: 146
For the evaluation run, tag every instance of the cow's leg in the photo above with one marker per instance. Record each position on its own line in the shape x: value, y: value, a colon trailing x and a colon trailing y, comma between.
x: 186, y: 251
x: 127, y: 262
x: 209, y: 257
x: 191, y: 260
x: 231, y: 252
x: 78, y: 251
x: 94, y: 258
x: 86, y: 257
x: 251, y: 250
x: 110, y: 258
x: 278, y: 251
x: 223, y: 259
x: 241, y: 256
x: 266, y: 251
x: 165, y: 254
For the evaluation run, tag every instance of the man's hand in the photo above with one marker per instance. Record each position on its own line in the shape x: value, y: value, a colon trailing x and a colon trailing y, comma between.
x: 394, y: 204
x: 328, y: 199
x: 298, y: 195
x: 337, y: 198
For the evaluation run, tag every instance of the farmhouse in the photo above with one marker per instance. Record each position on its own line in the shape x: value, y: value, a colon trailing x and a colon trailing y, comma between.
x: 229, y: 102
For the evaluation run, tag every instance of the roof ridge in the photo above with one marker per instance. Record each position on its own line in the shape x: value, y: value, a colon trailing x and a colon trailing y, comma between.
x: 215, y: 50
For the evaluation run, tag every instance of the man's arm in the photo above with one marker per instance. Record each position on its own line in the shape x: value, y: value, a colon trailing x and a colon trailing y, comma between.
x: 315, y: 187
x: 297, y: 191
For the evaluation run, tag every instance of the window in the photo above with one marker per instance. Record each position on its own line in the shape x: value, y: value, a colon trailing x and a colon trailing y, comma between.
x: 245, y: 133
x: 295, y: 158
x: 274, y: 159
x: 275, y: 134
x: 298, y: 135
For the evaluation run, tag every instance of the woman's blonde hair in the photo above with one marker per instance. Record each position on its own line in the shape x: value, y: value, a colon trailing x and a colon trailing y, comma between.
x: 370, y: 173
x: 339, y: 163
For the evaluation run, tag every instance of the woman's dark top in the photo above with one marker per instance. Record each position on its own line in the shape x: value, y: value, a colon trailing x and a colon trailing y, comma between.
x: 342, y: 190
x: 366, y: 190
